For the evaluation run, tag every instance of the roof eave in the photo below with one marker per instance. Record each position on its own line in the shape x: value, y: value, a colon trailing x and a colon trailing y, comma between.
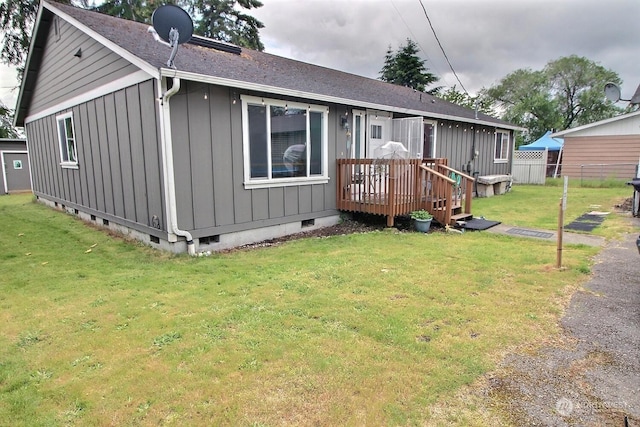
x: 187, y: 75
x: 594, y: 124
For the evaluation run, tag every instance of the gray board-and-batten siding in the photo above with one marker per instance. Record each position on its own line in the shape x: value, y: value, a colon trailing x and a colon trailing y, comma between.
x: 119, y: 174
x: 209, y: 169
x: 119, y: 161
x: 63, y: 75
x: 118, y: 146
x: 119, y: 171
x: 455, y: 142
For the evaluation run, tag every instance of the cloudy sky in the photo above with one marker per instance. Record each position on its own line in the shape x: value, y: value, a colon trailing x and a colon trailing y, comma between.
x: 484, y: 39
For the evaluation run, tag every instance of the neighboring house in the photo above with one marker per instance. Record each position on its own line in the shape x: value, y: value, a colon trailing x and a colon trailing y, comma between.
x: 14, y: 156
x: 606, y: 149
x: 196, y: 154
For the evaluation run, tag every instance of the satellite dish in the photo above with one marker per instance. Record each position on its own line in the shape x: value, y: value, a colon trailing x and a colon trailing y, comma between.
x: 174, y: 26
x: 612, y: 92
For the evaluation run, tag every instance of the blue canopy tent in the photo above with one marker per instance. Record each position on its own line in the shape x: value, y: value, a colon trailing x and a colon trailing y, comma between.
x: 551, y: 144
x: 554, y: 151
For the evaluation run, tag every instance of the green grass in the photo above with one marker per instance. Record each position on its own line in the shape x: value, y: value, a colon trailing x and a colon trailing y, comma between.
x: 538, y: 206
x: 363, y: 329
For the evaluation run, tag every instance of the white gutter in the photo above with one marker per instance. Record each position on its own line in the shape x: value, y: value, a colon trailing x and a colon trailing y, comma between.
x: 167, y: 154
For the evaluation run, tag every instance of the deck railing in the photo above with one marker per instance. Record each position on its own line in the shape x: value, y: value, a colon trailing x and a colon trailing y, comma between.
x: 398, y: 187
x: 463, y: 189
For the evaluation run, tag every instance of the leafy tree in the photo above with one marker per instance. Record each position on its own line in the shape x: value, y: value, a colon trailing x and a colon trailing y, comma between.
x: 16, y: 22
x: 405, y: 68
x: 6, y: 123
x: 567, y: 93
x: 578, y: 85
x: 483, y: 103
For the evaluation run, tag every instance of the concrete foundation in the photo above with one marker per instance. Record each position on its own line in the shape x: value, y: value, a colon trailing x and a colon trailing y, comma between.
x: 176, y: 244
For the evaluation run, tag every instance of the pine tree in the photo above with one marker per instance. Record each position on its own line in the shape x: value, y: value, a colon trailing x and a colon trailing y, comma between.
x: 405, y: 68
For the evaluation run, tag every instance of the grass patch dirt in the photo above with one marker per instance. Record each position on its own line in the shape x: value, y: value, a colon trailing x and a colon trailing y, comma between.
x: 370, y: 328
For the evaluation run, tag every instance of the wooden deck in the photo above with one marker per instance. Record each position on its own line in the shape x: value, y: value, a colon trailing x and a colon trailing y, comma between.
x: 398, y: 187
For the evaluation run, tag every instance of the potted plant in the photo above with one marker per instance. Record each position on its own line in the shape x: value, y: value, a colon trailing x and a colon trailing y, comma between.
x: 422, y: 220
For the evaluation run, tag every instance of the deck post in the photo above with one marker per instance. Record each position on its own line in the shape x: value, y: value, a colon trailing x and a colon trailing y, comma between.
x: 390, y: 220
x: 391, y: 196
x: 468, y: 196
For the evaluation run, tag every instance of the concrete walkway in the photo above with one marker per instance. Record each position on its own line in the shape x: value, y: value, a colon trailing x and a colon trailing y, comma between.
x: 531, y: 233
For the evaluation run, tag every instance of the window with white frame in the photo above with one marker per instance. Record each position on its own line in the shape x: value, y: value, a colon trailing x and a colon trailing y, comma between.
x: 501, y: 152
x: 376, y: 131
x: 67, y: 140
x: 284, y: 143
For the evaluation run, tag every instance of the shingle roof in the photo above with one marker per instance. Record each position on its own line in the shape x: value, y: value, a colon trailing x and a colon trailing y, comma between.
x: 265, y: 69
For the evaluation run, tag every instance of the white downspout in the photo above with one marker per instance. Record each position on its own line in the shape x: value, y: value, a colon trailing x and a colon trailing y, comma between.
x: 169, y: 173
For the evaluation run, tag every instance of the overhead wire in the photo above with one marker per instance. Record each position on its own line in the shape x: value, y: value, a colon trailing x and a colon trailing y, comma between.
x: 442, y: 48
x: 414, y: 38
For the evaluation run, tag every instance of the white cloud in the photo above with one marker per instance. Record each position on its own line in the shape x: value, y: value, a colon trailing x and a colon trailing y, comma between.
x: 8, y: 86
x: 484, y: 39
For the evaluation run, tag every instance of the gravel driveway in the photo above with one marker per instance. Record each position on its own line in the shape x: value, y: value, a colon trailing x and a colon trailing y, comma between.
x: 591, y: 377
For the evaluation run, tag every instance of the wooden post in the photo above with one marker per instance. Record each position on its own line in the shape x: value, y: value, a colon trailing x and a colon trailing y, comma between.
x: 560, y: 232
x: 563, y: 207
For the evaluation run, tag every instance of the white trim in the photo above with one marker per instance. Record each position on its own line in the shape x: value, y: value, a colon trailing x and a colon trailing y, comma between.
x: 121, y: 83
x: 434, y: 143
x: 168, y: 72
x: 4, y: 171
x: 495, y: 143
x: 250, y: 183
x: 15, y: 151
x: 67, y: 164
x: 284, y: 182
x: 594, y: 124
x: 30, y: 168
x: 135, y: 60
x: 362, y: 114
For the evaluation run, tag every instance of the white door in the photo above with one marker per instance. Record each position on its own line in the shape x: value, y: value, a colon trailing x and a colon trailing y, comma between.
x: 379, y: 132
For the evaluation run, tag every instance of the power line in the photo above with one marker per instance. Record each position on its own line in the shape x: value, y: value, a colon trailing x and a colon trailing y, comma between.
x: 442, y: 48
x: 432, y: 64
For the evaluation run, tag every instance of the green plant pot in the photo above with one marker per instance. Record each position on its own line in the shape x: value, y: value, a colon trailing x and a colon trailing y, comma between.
x: 422, y: 225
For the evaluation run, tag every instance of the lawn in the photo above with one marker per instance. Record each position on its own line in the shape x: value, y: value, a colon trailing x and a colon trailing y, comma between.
x: 381, y: 328
x: 538, y: 206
